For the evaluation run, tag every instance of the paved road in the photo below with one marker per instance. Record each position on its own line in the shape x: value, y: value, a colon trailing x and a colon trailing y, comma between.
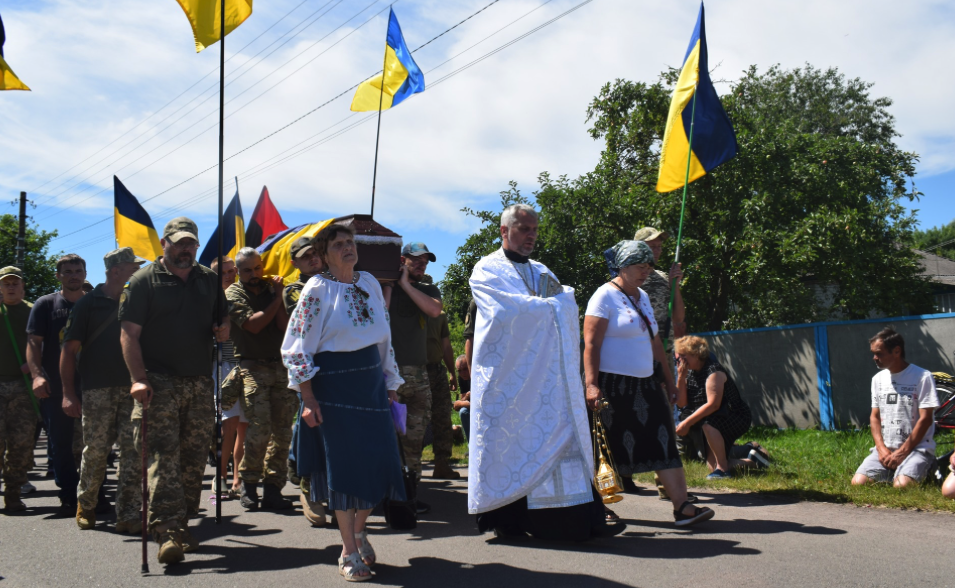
x: 751, y: 542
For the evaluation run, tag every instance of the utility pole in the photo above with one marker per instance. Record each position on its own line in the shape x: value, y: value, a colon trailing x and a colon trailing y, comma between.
x: 21, y: 233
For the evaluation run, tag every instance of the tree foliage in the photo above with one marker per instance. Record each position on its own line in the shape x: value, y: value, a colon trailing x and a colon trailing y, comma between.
x: 936, y: 236
x: 39, y: 268
x: 811, y: 203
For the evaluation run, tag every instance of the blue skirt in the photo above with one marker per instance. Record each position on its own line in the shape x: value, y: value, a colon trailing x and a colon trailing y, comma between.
x: 352, y: 457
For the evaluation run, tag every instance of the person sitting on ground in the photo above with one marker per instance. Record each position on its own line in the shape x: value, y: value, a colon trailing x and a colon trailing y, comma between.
x: 902, y: 420
x: 463, y: 404
x: 713, y: 406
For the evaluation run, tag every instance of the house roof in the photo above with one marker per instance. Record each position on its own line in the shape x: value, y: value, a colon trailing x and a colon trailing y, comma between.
x: 938, y: 269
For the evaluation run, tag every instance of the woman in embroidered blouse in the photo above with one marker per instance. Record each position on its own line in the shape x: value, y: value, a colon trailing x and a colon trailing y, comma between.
x: 337, y: 349
x: 620, y: 346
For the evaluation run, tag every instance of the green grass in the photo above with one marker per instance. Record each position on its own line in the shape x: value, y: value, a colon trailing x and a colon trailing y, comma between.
x: 817, y: 465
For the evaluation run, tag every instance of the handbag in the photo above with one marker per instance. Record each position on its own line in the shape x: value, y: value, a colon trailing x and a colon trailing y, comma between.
x: 402, y: 515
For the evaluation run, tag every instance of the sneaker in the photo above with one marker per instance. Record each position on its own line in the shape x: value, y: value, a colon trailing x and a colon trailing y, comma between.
x: 85, y: 519
x: 759, y: 459
x: 719, y: 474
x: 422, y: 507
x: 27, y: 488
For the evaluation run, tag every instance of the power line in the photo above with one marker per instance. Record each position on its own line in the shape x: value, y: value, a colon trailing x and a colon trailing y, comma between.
x: 365, y: 119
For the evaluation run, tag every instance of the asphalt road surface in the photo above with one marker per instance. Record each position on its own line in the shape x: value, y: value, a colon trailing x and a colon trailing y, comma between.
x: 753, y: 541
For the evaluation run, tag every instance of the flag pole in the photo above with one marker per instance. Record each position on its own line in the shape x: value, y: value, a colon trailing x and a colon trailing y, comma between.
x: 381, y: 98
x: 218, y: 393
x: 679, y: 235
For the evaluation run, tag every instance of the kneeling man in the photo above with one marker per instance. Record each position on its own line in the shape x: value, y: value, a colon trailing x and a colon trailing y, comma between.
x: 902, y: 419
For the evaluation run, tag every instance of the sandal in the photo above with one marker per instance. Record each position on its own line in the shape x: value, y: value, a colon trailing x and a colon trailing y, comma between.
x: 699, y: 515
x: 610, y: 516
x: 353, y: 569
x: 365, y: 550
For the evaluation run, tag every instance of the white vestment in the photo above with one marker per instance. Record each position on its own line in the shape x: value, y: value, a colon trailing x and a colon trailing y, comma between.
x: 529, y: 430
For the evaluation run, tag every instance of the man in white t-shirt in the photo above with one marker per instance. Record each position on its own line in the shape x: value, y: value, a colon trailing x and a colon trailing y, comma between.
x: 902, y: 419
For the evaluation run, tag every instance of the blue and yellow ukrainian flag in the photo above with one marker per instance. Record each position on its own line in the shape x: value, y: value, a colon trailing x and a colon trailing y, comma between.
x: 276, y: 258
x: 233, y: 233
x: 8, y: 79
x: 204, y: 18
x: 714, y: 141
x: 401, y: 75
x: 133, y: 226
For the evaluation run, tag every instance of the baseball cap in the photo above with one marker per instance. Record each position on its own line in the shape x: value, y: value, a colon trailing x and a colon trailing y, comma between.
x: 416, y: 249
x: 180, y: 227
x: 11, y: 271
x: 649, y: 234
x: 300, y: 246
x: 121, y: 255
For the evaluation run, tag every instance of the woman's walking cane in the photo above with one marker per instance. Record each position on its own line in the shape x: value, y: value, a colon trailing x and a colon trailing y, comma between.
x: 145, y: 569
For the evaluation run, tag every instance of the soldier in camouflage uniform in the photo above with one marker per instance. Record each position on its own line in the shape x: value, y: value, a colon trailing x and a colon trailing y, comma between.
x: 412, y: 302
x: 106, y: 407
x: 306, y: 259
x: 259, y: 319
x: 17, y: 417
x: 439, y: 350
x: 168, y: 320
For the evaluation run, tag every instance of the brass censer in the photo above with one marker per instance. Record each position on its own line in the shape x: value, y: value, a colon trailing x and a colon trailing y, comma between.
x: 607, y: 480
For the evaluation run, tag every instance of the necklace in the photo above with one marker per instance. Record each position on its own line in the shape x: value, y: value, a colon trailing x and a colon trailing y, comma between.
x: 328, y: 275
x: 530, y: 270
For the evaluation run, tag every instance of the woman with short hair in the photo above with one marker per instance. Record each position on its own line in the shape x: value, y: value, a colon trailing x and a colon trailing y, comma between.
x: 712, y: 404
x: 337, y: 349
x: 621, y: 344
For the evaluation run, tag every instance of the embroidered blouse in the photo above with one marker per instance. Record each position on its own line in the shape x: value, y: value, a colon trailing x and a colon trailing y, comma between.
x: 332, y: 316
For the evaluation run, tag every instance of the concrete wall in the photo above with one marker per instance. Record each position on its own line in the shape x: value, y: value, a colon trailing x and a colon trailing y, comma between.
x: 928, y: 344
x: 776, y: 372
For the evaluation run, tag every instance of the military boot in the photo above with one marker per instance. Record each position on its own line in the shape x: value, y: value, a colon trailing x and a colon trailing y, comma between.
x: 249, y: 499
x: 189, y: 543
x: 170, y: 546
x: 85, y: 519
x: 11, y: 499
x: 272, y: 498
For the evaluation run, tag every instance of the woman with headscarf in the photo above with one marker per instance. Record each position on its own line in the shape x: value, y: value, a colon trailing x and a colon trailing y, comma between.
x: 337, y: 349
x: 620, y: 348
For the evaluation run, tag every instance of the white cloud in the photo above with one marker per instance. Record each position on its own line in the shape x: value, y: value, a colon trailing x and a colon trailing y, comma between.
x: 97, y: 68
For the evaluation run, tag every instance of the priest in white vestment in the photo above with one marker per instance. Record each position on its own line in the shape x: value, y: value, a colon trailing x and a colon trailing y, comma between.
x: 531, y: 458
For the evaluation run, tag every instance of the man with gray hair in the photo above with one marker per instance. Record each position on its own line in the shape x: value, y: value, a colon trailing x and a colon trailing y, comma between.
x: 259, y: 320
x: 531, y: 459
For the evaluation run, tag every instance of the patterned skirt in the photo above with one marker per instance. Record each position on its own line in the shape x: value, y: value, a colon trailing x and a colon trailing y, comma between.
x: 639, y: 423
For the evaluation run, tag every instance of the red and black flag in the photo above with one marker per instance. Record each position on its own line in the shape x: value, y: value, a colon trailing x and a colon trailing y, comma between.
x: 265, y: 222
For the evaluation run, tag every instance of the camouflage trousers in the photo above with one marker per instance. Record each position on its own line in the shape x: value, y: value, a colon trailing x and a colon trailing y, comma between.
x: 178, y: 427
x: 440, y: 412
x: 107, y: 418
x: 415, y: 393
x: 17, y: 427
x: 270, y: 407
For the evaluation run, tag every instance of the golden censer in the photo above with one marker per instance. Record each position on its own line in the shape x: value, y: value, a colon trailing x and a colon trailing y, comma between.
x: 607, y: 480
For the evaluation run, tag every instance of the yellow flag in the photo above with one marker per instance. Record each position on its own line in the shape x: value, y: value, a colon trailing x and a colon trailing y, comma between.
x: 8, y: 79
x: 204, y: 16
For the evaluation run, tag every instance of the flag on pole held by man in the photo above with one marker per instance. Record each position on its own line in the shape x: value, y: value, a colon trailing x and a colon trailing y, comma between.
x: 204, y: 16
x: 275, y: 252
x: 265, y: 222
x: 713, y: 138
x: 133, y: 226
x: 8, y: 79
x: 233, y: 233
x: 401, y: 76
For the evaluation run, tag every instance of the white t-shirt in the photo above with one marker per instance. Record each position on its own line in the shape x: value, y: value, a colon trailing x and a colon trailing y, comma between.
x: 899, y: 398
x: 626, y: 348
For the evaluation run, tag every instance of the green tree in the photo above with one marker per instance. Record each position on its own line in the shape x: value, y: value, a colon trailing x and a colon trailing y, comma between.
x: 812, y: 200
x: 39, y: 268
x: 936, y: 236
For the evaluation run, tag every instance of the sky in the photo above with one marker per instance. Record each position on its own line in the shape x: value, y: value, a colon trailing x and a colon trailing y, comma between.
x: 119, y: 89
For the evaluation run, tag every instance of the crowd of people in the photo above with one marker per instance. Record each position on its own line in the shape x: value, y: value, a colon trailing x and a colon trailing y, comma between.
x: 310, y: 373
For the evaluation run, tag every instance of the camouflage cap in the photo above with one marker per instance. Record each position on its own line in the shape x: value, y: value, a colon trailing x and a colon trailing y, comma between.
x: 11, y: 271
x: 121, y: 255
x: 416, y: 249
x: 180, y: 227
x: 300, y: 246
x: 649, y: 234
